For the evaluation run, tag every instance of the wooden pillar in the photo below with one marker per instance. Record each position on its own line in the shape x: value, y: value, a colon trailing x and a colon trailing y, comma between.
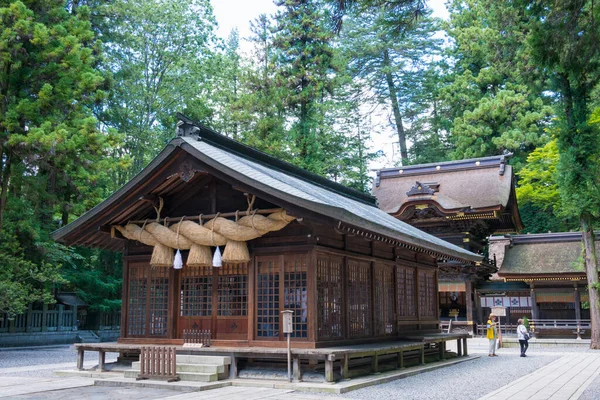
x: 61, y: 316
x: 422, y: 354
x: 251, y: 297
x: 375, y: 363
x: 465, y: 351
x: 469, y: 300
x: 233, y: 370
x: 480, y: 318
x: 329, y: 367
x: 458, y: 347
x: 75, y: 324
x: 80, y: 356
x: 401, y: 359
x: 577, y: 299
x: 29, y: 319
x: 312, y: 297
x: 442, y: 349
x: 344, y: 366
x: 535, y: 314
x: 44, y: 317
x: 297, y: 373
x: 577, y: 296
x: 101, y: 360
x: 125, y: 293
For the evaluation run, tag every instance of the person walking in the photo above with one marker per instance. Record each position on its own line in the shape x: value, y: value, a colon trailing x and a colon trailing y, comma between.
x: 523, y: 336
x: 492, y: 334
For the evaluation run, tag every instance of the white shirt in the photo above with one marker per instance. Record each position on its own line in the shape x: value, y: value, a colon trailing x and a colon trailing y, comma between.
x: 521, y: 331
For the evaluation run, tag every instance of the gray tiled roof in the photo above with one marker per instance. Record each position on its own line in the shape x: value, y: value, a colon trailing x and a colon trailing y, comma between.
x: 319, y: 199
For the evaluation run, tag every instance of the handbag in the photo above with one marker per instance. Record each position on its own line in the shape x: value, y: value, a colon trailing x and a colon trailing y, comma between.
x: 526, y: 336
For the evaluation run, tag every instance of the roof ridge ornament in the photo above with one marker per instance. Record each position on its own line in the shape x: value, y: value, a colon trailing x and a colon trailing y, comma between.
x: 423, y: 189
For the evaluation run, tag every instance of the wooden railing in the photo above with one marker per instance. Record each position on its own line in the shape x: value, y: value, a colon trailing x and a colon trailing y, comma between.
x: 158, y: 362
x: 196, y: 337
x: 45, y: 320
x: 572, y: 326
x: 575, y: 326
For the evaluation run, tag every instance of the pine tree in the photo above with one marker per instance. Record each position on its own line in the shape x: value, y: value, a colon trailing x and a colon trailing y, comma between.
x: 391, y: 62
x: 306, y: 71
x: 51, y: 151
x: 495, y: 97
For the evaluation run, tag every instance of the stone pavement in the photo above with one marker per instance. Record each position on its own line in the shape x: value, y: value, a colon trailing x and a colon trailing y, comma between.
x: 16, y: 386
x: 565, y: 378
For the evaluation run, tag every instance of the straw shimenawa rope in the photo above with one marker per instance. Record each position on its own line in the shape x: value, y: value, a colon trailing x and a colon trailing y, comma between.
x: 197, y: 238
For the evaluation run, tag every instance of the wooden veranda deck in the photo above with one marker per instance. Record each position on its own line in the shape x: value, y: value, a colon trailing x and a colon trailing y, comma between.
x: 417, y: 343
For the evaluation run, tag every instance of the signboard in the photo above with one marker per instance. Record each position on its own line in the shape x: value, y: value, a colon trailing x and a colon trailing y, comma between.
x: 287, y: 321
x: 499, y: 311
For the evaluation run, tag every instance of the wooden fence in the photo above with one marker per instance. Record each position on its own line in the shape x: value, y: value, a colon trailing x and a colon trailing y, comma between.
x: 196, y: 337
x: 45, y: 320
x: 566, y: 327
x: 158, y: 362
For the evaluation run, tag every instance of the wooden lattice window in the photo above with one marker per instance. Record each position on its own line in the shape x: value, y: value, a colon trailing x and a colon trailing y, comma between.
x: 295, y: 293
x: 329, y: 295
x: 136, y: 304
x: 267, y: 304
x: 427, y: 294
x: 359, y: 298
x: 196, y: 292
x: 233, y: 290
x: 159, y: 301
x: 405, y: 287
x: 432, y: 295
x: 384, y: 300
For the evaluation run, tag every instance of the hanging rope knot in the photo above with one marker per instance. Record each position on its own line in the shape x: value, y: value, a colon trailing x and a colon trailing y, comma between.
x: 158, y: 210
x: 250, y: 202
x: 142, y: 230
x: 212, y: 229
x: 179, y: 226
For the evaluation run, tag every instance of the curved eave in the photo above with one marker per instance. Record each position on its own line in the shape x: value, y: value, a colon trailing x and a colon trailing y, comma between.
x: 341, y: 214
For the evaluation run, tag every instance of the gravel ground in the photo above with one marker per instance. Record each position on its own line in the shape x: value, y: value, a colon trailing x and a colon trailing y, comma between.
x: 41, y: 359
x: 10, y: 358
x: 468, y: 380
x: 593, y: 391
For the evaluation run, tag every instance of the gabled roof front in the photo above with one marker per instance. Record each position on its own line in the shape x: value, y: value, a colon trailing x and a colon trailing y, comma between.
x: 283, y: 183
x: 539, y: 255
x: 482, y: 187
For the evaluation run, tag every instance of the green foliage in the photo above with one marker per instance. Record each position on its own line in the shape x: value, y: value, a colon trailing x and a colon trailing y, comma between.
x: 392, y: 64
x: 158, y: 54
x: 52, y: 154
x: 495, y: 100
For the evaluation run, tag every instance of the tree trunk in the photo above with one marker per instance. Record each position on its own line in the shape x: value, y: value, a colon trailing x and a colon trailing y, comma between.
x: 591, y: 268
x: 395, y: 107
x: 4, y: 186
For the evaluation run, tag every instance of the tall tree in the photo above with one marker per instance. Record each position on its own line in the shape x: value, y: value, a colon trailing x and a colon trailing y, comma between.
x: 565, y: 39
x: 157, y: 52
x: 495, y: 98
x: 263, y: 98
x: 391, y: 62
x: 307, y: 71
x: 51, y: 151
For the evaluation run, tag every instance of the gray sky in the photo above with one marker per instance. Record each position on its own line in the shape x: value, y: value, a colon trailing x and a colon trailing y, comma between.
x: 238, y: 13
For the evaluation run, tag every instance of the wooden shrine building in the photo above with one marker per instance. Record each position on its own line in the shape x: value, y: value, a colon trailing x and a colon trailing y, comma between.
x: 462, y: 202
x: 290, y: 240
x: 541, y: 276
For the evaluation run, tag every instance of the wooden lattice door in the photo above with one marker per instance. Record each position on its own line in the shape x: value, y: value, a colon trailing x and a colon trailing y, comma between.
x: 148, y: 301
